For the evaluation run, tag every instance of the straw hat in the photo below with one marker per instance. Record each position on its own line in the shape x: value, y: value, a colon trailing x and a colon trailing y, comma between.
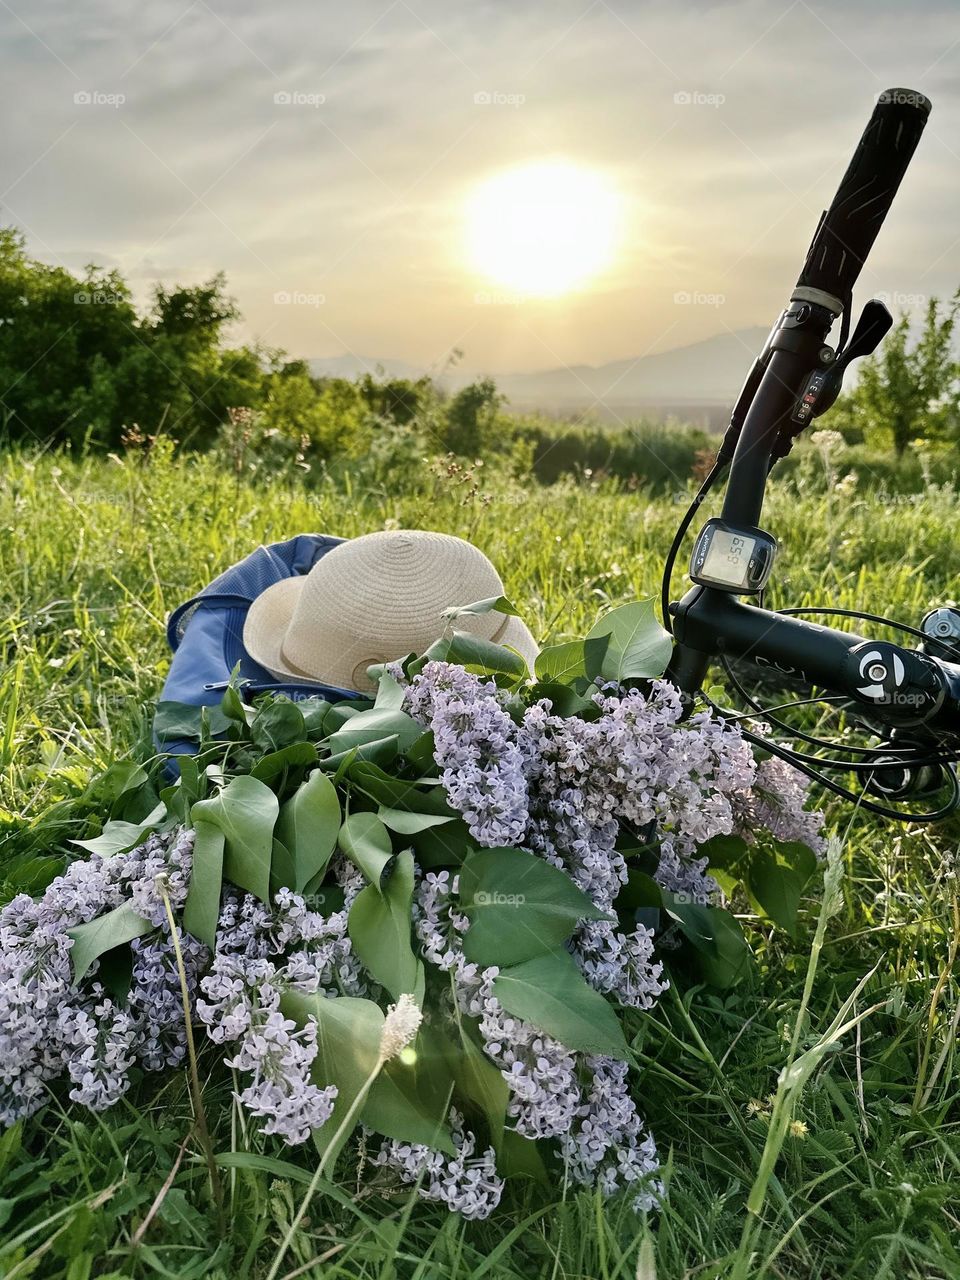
x: 375, y: 599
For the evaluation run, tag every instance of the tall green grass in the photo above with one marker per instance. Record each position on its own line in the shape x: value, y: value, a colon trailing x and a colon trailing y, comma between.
x: 94, y: 553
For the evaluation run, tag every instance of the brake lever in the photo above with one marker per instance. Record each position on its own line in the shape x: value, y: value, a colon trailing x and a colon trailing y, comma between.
x: 823, y: 385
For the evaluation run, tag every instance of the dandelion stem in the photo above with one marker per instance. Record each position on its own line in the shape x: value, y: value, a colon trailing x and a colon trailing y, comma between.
x: 399, y: 1028
x: 343, y: 1129
x: 193, y: 1075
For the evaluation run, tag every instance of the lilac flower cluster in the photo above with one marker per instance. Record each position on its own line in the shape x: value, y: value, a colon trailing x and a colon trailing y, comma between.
x: 156, y: 1001
x: 242, y: 1003
x: 475, y: 744
x: 565, y: 789
x: 51, y: 1027
x: 466, y: 1183
x: 174, y: 861
x: 776, y: 804
x: 568, y: 790
x: 637, y: 764
x: 607, y: 1146
x: 600, y: 1134
x: 99, y: 1046
x: 540, y: 1072
x: 262, y: 952
x: 48, y: 1026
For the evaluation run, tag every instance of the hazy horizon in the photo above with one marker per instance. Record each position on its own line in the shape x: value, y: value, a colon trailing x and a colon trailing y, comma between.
x: 327, y: 161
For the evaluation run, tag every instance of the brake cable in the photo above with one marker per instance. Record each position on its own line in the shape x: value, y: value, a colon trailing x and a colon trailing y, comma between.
x: 859, y: 614
x: 700, y: 497
x: 799, y: 761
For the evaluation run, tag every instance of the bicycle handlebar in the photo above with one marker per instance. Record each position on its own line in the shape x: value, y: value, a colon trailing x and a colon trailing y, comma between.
x: 915, y: 694
x: 847, y: 230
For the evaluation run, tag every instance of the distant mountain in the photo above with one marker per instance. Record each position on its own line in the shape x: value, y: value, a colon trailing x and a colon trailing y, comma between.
x: 709, y: 372
x: 698, y: 382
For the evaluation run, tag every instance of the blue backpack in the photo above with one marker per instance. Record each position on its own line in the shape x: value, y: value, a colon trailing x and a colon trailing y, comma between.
x: 206, y: 636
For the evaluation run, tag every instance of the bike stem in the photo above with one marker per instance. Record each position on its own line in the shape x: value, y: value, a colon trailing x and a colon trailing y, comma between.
x: 794, y: 349
x: 796, y: 345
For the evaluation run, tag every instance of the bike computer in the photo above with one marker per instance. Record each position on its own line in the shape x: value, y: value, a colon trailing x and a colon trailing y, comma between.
x: 731, y: 557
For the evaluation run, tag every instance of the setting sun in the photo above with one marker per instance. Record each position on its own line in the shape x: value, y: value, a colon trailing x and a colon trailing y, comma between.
x: 543, y: 229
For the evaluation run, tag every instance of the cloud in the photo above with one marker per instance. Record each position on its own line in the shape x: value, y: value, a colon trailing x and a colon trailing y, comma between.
x: 328, y: 149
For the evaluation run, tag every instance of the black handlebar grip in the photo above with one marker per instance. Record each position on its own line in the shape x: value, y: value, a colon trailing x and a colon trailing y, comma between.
x: 847, y: 230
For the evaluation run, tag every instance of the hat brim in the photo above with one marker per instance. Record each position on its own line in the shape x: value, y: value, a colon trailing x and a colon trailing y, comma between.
x: 271, y: 613
x: 267, y: 622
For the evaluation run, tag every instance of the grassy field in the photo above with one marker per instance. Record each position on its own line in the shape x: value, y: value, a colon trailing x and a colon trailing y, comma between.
x: 93, y: 554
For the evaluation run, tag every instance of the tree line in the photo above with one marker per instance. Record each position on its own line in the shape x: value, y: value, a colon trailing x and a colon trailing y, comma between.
x: 81, y: 365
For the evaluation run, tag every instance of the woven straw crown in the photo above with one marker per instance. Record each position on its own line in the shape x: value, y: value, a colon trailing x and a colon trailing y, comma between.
x: 374, y: 599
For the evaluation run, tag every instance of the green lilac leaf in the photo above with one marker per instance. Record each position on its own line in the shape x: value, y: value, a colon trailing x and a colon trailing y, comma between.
x: 518, y: 906
x: 246, y: 811
x: 551, y: 993
x: 92, y: 939
x: 201, y: 911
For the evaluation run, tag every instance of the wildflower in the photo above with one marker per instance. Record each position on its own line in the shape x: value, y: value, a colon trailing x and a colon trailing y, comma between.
x: 400, y: 1027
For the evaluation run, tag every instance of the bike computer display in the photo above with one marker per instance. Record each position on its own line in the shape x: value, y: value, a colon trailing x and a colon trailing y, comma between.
x: 731, y: 557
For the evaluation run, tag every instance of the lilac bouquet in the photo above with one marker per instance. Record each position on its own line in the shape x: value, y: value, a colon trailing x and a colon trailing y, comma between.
x: 525, y: 854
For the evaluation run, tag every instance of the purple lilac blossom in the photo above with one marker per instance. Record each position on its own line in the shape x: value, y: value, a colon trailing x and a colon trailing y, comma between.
x: 607, y: 1146
x: 563, y: 788
x: 476, y: 747
x: 466, y: 1183
x: 35, y: 983
x: 99, y: 1044
x: 776, y: 803
x: 241, y: 1002
x: 262, y: 952
x: 639, y: 763
x: 48, y: 1027
x: 172, y: 856
x: 156, y: 1001
x: 620, y: 964
x: 540, y: 1071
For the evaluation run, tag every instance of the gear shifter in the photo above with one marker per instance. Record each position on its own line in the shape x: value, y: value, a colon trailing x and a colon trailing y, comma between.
x: 823, y: 385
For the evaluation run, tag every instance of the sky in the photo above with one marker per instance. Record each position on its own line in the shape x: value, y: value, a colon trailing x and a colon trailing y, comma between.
x: 327, y: 157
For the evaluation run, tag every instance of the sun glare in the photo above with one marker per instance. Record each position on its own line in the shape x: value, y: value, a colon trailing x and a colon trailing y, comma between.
x: 543, y: 229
